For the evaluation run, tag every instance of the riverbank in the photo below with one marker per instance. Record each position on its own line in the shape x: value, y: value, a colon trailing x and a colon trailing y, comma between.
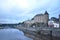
x: 33, y: 37
x: 41, y: 38
x: 51, y: 33
x: 36, y: 36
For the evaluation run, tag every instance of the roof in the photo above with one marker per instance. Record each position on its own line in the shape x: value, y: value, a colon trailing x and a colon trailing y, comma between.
x: 39, y: 15
x: 46, y: 12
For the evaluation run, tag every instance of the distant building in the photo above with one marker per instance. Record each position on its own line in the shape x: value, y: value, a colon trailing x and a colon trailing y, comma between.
x: 28, y: 23
x: 53, y: 24
x: 55, y: 19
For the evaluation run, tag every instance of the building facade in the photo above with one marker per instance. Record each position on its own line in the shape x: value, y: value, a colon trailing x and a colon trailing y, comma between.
x: 28, y: 23
x: 53, y: 24
x: 42, y: 18
x: 39, y: 18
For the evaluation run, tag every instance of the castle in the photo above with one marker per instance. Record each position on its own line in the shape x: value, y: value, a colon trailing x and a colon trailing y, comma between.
x: 38, y: 20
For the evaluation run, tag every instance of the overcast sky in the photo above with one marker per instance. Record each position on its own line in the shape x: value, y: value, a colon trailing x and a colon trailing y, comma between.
x: 15, y: 11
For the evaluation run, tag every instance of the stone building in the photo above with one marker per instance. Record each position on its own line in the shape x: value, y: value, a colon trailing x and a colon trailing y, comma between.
x: 42, y: 18
x: 28, y: 23
x: 38, y: 19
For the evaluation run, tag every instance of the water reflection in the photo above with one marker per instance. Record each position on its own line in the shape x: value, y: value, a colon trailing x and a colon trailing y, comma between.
x: 12, y: 34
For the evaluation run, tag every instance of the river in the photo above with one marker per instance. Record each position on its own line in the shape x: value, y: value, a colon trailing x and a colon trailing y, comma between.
x: 12, y: 34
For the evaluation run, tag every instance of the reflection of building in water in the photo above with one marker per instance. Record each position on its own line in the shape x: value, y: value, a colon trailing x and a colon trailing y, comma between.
x: 39, y: 18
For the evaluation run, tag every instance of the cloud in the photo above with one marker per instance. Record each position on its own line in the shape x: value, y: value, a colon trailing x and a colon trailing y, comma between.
x: 14, y: 11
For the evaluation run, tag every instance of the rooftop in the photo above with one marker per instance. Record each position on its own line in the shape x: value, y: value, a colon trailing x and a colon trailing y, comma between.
x: 39, y: 15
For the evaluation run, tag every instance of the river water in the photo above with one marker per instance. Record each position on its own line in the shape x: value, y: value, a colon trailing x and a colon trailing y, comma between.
x: 12, y: 34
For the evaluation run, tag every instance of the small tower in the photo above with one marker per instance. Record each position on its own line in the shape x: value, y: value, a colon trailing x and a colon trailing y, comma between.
x: 46, y: 13
x: 47, y: 17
